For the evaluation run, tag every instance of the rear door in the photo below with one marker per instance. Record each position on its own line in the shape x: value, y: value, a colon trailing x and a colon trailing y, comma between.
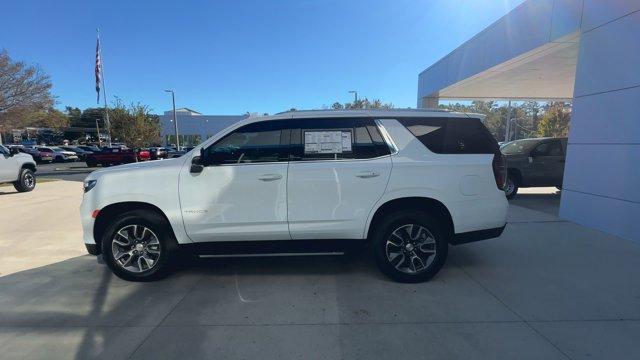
x: 339, y: 168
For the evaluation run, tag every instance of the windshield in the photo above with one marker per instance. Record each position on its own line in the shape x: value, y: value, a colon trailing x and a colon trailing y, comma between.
x: 519, y: 146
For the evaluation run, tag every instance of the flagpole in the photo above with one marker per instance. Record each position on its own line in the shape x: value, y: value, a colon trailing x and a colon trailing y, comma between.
x: 104, y: 94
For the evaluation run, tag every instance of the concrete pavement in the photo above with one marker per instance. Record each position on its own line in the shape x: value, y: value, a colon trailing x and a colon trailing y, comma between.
x: 547, y: 289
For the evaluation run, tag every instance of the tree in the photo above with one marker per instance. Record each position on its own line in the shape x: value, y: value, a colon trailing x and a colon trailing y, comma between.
x: 363, y: 104
x: 22, y: 86
x: 556, y: 120
x: 134, y: 125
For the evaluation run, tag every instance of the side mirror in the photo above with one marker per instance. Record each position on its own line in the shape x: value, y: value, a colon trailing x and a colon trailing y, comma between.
x: 196, y: 165
x: 14, y: 151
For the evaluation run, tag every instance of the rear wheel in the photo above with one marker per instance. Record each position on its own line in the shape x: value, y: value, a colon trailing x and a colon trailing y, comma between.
x: 26, y: 182
x: 139, y: 246
x: 410, y: 246
x: 512, y: 187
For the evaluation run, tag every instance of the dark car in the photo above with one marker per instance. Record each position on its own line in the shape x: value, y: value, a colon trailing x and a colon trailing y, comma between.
x: 38, y: 156
x: 157, y: 153
x: 534, y: 162
x: 91, y: 148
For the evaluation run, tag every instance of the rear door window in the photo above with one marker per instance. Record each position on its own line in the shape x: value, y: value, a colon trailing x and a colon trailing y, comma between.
x: 337, y: 139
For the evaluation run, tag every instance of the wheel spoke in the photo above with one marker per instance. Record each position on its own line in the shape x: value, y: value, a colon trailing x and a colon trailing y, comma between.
x: 397, y: 260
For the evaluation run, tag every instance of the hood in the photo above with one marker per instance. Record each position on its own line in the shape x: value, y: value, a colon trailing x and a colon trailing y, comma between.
x: 67, y: 152
x: 137, y: 166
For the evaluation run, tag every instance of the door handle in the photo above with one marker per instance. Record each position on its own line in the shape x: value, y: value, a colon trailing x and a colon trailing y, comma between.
x: 367, y: 174
x: 270, y: 177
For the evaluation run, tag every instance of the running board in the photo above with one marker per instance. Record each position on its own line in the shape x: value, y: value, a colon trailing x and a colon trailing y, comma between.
x: 273, y: 248
x: 270, y: 255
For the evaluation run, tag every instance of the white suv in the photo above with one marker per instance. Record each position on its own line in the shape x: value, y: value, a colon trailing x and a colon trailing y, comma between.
x: 17, y: 168
x: 409, y: 183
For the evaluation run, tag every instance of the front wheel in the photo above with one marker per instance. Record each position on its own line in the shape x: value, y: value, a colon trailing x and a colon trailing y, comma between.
x: 410, y: 246
x: 139, y: 246
x: 26, y: 182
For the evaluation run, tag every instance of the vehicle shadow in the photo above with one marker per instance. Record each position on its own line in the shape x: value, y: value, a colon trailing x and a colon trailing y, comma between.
x: 547, y: 203
x: 7, y: 190
x: 77, y: 295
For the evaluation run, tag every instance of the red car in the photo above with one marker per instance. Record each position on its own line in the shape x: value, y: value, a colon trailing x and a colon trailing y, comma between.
x: 111, y: 156
x: 143, y: 155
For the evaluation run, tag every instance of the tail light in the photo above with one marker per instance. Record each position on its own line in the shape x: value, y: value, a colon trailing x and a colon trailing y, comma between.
x: 500, y: 169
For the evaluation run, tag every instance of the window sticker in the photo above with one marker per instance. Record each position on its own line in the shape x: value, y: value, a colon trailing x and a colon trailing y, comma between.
x: 327, y: 142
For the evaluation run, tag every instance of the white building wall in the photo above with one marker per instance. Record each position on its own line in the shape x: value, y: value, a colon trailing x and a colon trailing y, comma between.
x: 602, y: 173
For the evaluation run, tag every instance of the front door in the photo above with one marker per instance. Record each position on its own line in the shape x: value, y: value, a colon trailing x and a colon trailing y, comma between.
x: 547, y: 165
x: 8, y: 170
x: 339, y: 169
x: 241, y: 194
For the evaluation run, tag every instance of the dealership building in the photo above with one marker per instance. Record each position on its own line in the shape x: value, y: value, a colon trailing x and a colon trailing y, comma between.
x: 583, y: 51
x: 193, y: 127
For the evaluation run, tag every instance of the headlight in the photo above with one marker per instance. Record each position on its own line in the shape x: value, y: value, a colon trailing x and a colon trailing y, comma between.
x: 89, y: 184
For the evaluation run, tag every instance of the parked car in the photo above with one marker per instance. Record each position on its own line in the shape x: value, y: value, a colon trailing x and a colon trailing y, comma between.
x: 534, y: 162
x: 111, y: 156
x: 158, y: 153
x: 38, y: 156
x: 82, y: 154
x: 409, y: 183
x: 174, y: 153
x: 58, y: 154
x: 18, y: 168
x: 143, y: 155
x: 91, y: 148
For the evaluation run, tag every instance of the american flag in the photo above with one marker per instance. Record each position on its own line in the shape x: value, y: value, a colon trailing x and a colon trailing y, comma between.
x: 98, y: 69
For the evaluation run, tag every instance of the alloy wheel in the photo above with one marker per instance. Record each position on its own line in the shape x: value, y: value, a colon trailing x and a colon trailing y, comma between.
x: 29, y: 180
x: 411, y: 248
x: 136, y: 248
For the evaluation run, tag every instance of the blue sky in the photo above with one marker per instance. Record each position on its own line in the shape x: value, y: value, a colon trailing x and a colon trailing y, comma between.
x: 229, y: 57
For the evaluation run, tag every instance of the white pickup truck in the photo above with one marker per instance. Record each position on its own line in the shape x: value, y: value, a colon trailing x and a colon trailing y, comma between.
x: 17, y: 168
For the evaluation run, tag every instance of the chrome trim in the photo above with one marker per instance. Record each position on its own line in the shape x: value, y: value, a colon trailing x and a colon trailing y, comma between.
x: 387, y: 138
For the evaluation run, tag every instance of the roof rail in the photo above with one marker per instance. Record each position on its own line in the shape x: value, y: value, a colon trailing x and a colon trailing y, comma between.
x: 381, y: 110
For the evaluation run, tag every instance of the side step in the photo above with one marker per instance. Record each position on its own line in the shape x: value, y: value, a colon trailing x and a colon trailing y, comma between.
x: 273, y: 248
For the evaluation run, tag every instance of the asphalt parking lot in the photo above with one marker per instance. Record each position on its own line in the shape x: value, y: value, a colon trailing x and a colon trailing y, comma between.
x: 72, y: 171
x: 546, y: 289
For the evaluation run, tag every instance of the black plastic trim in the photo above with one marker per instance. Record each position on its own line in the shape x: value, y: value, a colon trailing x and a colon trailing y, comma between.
x: 472, y: 236
x: 273, y: 247
x: 93, y: 249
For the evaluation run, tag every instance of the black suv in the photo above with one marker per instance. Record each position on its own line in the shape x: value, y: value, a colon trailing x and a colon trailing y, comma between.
x: 534, y: 162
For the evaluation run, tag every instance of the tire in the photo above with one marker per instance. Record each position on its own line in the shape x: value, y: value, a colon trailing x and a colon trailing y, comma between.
x: 91, y: 163
x: 418, y: 223
x: 26, y: 182
x: 158, y: 237
x: 512, y: 187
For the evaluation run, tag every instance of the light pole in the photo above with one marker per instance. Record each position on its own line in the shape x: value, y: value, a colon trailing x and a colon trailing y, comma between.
x: 355, y: 93
x: 175, y: 118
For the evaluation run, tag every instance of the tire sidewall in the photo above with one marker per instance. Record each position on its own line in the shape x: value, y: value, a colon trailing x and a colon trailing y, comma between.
x: 511, y: 179
x: 21, y: 185
x: 393, y: 221
x: 155, y: 223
